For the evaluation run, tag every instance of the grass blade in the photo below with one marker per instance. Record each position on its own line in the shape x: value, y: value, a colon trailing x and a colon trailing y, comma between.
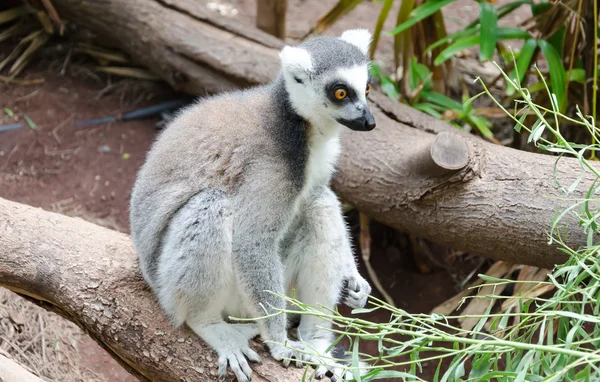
x: 489, y: 30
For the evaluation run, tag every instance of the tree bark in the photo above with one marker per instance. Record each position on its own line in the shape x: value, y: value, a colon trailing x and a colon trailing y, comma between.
x: 270, y: 17
x: 499, y: 205
x: 90, y: 275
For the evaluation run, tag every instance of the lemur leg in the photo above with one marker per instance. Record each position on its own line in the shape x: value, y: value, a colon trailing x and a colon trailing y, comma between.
x: 196, y: 279
x: 260, y: 274
x: 321, y: 265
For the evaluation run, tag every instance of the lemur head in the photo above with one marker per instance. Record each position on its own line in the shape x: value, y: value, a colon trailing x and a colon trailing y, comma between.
x: 327, y: 79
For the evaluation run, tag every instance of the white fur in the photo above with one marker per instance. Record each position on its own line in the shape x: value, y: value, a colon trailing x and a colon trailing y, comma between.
x: 358, y: 37
x: 323, y: 155
x: 357, y: 78
x: 296, y: 60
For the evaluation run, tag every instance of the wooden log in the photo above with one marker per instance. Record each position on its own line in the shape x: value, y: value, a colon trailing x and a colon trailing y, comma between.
x: 500, y: 204
x: 270, y: 17
x: 90, y: 275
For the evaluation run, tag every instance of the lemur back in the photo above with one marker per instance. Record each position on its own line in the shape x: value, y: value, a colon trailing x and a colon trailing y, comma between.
x: 233, y: 204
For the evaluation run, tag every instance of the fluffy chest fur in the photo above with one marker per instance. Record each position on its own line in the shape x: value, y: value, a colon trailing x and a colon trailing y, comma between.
x: 323, y: 154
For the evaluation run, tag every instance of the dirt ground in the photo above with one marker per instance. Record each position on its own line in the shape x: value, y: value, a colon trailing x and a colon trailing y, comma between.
x: 89, y: 171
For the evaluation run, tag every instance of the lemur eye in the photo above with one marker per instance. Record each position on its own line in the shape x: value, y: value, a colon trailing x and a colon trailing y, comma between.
x: 368, y: 89
x: 341, y: 94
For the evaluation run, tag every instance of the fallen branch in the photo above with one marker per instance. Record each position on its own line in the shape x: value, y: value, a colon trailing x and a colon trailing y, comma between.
x: 89, y: 275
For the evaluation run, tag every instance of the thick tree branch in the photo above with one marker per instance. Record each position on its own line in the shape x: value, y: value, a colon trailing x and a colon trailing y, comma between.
x: 90, y: 275
x: 500, y: 204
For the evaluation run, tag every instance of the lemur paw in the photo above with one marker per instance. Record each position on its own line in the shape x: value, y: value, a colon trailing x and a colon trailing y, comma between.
x: 238, y: 363
x: 290, y: 351
x: 356, y: 291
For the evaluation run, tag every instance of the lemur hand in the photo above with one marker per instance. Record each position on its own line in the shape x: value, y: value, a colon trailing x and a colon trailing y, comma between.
x: 355, y: 291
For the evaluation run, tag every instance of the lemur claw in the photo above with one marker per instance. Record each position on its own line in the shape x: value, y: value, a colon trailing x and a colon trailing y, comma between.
x: 355, y: 291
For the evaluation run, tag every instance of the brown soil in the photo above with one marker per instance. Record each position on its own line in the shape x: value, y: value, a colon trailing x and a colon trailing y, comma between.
x: 89, y: 171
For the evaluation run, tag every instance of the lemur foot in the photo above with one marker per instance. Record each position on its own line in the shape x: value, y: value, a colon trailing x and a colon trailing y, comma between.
x: 248, y: 331
x: 355, y: 291
x: 290, y: 351
x: 231, y: 344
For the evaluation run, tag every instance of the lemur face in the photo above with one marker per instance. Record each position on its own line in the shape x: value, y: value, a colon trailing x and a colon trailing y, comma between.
x: 328, y: 80
x: 347, y: 91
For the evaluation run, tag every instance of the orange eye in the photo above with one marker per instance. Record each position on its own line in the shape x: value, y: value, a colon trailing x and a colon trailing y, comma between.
x: 368, y: 89
x: 340, y: 94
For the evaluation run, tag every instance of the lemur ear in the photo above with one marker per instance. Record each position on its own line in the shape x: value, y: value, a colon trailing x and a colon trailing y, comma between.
x: 358, y: 37
x: 296, y: 61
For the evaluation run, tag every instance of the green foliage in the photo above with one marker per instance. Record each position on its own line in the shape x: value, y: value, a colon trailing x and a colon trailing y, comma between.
x: 539, y: 338
x: 424, y: 98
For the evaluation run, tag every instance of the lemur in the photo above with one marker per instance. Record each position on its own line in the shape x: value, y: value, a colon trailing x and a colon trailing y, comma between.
x: 233, y: 203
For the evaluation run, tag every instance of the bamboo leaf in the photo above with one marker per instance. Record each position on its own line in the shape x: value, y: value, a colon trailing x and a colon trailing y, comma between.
x: 451, y: 38
x: 524, y: 60
x: 503, y: 11
x: 421, y: 12
x: 385, y: 10
x: 355, y: 362
x: 489, y: 25
x: 558, y: 75
x: 30, y: 123
x: 340, y: 9
x: 14, y: 13
x: 442, y: 100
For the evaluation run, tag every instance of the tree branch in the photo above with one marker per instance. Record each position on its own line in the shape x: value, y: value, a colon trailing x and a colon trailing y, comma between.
x: 89, y: 275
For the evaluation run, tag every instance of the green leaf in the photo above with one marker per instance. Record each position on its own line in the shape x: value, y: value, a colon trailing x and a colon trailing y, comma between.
x: 558, y: 75
x: 456, y: 47
x: 451, y: 38
x: 524, y: 60
x: 419, y: 74
x: 577, y: 75
x: 489, y: 25
x: 388, y: 86
x: 503, y: 10
x: 392, y: 374
x: 29, y: 122
x: 355, y: 361
x: 482, y: 124
x: 557, y: 40
x: 385, y: 10
x: 11, y: 114
x: 503, y: 33
x: 538, y: 9
x: 427, y: 108
x: 421, y: 12
x: 442, y: 100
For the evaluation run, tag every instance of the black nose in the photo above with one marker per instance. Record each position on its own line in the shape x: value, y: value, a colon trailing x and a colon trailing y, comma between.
x: 365, y: 122
x: 369, y: 119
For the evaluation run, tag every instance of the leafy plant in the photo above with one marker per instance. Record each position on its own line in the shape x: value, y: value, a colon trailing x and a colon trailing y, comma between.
x: 540, y: 337
x: 423, y: 97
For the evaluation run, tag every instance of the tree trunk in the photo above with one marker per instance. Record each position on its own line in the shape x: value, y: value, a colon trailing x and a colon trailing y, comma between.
x: 90, y: 275
x: 270, y: 17
x: 499, y: 205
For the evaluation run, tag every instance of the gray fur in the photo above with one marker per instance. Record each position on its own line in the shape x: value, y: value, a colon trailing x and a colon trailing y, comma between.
x: 327, y: 53
x: 233, y: 201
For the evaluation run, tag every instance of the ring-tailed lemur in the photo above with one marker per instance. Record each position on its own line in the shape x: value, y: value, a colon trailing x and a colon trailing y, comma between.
x: 233, y: 202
